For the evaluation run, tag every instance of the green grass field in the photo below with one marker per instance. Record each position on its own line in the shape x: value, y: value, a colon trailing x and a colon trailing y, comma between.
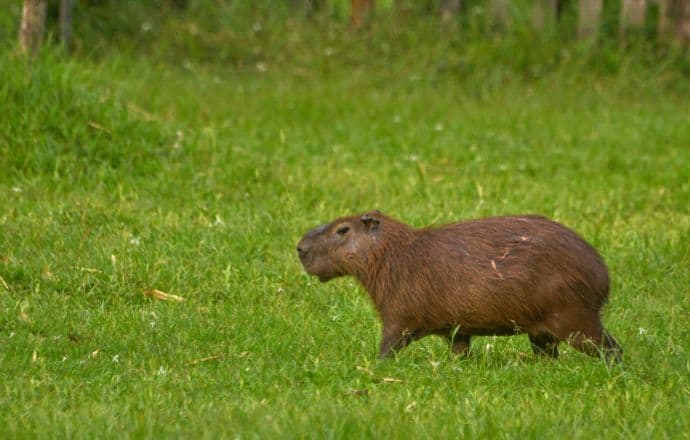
x: 123, y: 173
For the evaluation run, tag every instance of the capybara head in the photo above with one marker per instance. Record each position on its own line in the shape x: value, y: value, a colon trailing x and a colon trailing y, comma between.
x: 341, y: 247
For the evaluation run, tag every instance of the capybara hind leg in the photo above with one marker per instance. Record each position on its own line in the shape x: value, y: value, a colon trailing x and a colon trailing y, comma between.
x: 583, y: 330
x: 612, y: 350
x: 544, y: 344
x: 394, y: 339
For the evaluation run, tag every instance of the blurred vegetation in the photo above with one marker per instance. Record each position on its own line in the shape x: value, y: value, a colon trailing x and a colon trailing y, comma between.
x: 285, y: 35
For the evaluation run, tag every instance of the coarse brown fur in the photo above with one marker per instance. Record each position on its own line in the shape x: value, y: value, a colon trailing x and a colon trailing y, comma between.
x: 492, y: 276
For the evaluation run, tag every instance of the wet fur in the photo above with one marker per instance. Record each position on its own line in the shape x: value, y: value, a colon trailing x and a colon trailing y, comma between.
x: 493, y: 276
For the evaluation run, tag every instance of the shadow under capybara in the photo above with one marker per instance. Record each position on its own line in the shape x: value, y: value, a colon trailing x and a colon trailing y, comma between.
x: 492, y: 276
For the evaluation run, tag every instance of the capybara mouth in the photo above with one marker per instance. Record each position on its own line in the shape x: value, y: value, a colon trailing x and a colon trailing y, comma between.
x: 308, y: 269
x: 306, y: 265
x: 323, y: 277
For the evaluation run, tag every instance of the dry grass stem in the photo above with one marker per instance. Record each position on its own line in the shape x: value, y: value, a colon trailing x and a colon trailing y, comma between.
x: 159, y: 294
x: 206, y: 359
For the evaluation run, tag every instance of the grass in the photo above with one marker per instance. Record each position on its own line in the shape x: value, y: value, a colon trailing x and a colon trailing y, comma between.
x: 126, y: 173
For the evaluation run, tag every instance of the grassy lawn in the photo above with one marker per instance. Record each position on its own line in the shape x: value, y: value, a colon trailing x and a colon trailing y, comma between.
x: 126, y: 174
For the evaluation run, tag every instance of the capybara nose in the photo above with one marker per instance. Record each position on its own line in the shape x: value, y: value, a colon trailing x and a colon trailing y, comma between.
x: 302, y: 251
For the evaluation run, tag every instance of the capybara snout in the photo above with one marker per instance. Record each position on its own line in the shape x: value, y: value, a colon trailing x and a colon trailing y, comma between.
x: 492, y: 276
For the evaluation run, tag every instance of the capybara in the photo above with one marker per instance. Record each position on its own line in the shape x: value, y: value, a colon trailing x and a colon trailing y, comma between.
x: 491, y: 276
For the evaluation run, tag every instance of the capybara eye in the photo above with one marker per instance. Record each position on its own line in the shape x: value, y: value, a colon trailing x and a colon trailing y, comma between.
x: 343, y: 230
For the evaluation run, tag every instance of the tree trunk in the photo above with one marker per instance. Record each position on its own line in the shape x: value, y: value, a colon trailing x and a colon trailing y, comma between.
x: 180, y: 5
x: 449, y: 10
x: 664, y: 27
x: 360, y: 10
x: 589, y: 17
x: 66, y: 22
x: 308, y: 7
x: 499, y: 13
x: 674, y: 19
x: 632, y: 14
x: 544, y: 13
x: 680, y: 14
x: 33, y: 25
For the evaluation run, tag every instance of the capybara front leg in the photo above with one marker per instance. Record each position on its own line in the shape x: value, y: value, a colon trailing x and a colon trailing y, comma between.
x: 394, y: 339
x: 544, y: 345
x: 583, y: 330
x: 460, y: 344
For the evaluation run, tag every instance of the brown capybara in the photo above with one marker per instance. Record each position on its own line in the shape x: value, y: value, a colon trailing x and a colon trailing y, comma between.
x: 492, y: 276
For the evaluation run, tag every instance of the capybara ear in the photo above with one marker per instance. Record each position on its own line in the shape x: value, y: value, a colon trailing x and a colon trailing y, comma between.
x: 370, y: 220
